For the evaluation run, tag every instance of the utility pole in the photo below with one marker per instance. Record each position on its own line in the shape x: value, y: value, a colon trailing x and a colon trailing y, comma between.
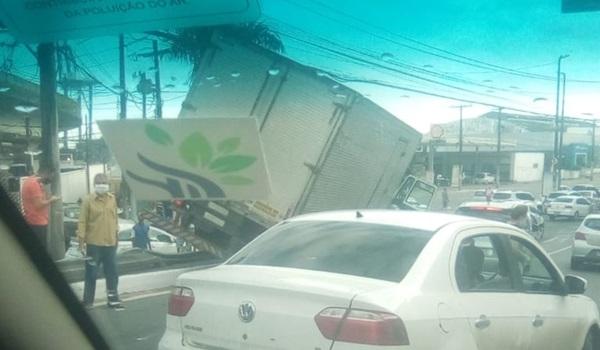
x: 460, y: 144
x: 46, y: 53
x: 498, y: 147
x: 89, y: 134
x: 556, y: 125
x: 593, y: 153
x: 562, y: 131
x: 122, y: 79
x: 157, y: 88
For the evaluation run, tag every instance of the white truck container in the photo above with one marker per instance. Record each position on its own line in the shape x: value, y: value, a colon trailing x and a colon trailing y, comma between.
x: 326, y: 146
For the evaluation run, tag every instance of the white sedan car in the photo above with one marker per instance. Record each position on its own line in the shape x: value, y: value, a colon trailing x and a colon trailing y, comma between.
x: 161, y: 241
x: 365, y: 280
x: 586, y: 245
x: 569, y: 206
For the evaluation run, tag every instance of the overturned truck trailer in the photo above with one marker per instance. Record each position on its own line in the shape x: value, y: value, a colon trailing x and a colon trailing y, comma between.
x: 327, y: 147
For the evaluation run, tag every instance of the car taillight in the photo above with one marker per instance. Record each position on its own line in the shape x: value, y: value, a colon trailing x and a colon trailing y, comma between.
x: 362, y: 326
x: 579, y: 235
x: 181, y: 301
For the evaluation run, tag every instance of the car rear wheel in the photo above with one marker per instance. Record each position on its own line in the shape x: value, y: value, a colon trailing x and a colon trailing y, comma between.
x: 591, y: 340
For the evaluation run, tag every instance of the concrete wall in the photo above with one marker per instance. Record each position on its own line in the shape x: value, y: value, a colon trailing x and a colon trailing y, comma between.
x: 526, y: 167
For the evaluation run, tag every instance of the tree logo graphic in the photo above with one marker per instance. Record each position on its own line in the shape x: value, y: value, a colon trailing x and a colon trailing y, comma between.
x: 220, y: 162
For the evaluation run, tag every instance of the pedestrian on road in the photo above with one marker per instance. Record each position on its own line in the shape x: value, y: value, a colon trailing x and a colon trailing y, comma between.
x: 445, y: 199
x: 98, y: 239
x: 36, y: 203
x: 140, y: 234
x: 488, y: 194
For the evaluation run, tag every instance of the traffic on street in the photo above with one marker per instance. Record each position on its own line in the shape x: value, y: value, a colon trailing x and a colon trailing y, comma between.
x: 287, y: 174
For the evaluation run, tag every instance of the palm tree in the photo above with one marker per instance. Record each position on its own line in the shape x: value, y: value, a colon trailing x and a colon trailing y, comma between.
x: 190, y: 44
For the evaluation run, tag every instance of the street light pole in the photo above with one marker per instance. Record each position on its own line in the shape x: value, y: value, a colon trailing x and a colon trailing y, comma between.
x: 593, y: 155
x: 499, y: 145
x: 562, y: 130
x: 556, y: 125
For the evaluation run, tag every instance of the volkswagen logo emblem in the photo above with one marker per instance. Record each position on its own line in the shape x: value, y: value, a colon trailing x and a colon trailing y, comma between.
x: 247, y: 311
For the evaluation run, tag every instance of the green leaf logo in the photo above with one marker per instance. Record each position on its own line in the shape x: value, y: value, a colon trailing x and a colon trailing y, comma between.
x: 158, y: 135
x: 232, y: 163
x: 235, y: 180
x: 196, y: 149
x: 228, y: 145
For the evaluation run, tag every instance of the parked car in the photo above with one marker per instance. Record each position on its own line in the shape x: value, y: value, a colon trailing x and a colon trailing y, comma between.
x: 484, y: 179
x: 499, y: 196
x: 70, y: 222
x: 501, y: 211
x: 161, y: 241
x: 546, y: 200
x: 479, y: 195
x: 564, y: 188
x: 586, y: 245
x: 592, y: 196
x: 442, y: 181
x: 382, y: 279
x: 586, y: 187
x: 569, y: 206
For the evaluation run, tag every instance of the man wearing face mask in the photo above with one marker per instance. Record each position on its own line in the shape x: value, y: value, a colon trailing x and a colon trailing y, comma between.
x: 36, y: 203
x: 97, y: 234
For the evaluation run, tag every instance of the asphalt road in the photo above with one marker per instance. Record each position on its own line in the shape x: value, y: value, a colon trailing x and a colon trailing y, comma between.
x: 142, y: 323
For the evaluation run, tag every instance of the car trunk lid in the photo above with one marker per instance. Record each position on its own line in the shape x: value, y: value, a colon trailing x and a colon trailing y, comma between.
x: 257, y: 307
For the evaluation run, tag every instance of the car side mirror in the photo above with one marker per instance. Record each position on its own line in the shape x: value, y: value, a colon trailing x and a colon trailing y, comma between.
x: 575, y: 284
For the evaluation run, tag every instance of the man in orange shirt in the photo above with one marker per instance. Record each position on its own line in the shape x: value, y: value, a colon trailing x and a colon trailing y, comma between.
x: 36, y: 203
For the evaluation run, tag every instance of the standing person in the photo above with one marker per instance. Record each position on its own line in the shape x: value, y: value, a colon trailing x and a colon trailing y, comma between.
x: 445, y: 198
x: 140, y: 234
x: 36, y: 203
x: 97, y: 234
x: 488, y: 194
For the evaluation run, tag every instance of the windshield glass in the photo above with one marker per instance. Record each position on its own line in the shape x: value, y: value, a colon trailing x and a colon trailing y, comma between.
x: 592, y: 223
x: 365, y: 250
x: 563, y: 200
x: 494, y: 214
x: 502, y: 196
x: 141, y: 140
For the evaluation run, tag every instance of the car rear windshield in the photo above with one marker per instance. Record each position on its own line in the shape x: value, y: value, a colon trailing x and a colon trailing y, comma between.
x: 579, y: 188
x: 359, y: 249
x: 593, y: 224
x: 563, y: 200
x: 502, y: 215
x: 501, y: 196
x: 555, y: 195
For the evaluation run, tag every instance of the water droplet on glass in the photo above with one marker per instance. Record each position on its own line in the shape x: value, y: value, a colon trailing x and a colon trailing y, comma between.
x: 235, y: 74
x: 321, y: 74
x: 173, y: 78
x: 428, y: 66
x: 387, y: 56
x: 4, y: 89
x: 490, y: 91
x: 217, y: 85
x: 335, y: 87
x: 210, y: 77
x: 340, y: 96
x: 274, y: 71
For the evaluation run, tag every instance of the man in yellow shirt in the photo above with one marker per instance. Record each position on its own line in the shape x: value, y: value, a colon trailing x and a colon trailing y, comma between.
x: 98, y: 238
